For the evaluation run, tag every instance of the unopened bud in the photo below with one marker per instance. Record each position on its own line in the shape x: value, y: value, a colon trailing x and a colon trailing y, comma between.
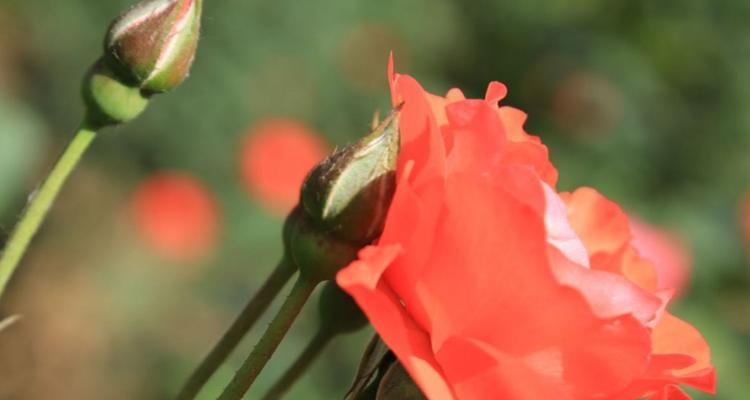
x: 350, y: 192
x: 316, y: 253
x: 108, y: 100
x: 339, y: 313
x: 153, y: 44
x: 344, y: 202
x: 398, y: 385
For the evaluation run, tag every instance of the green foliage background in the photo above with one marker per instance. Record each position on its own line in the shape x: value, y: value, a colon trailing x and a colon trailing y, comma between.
x: 646, y: 101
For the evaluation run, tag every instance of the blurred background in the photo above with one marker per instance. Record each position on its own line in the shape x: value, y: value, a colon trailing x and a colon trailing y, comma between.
x: 173, y: 221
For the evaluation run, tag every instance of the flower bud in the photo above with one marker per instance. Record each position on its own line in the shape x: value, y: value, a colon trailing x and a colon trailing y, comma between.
x: 343, y: 203
x: 108, y: 100
x: 398, y: 385
x: 350, y: 192
x: 317, y: 253
x: 339, y: 313
x: 153, y: 44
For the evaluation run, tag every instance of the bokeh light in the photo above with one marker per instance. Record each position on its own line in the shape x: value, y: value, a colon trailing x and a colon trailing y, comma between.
x: 176, y: 215
x: 276, y: 155
x: 744, y: 216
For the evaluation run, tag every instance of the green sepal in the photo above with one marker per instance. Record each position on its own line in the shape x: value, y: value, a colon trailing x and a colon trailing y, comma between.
x: 350, y: 192
x: 108, y: 100
x: 339, y: 314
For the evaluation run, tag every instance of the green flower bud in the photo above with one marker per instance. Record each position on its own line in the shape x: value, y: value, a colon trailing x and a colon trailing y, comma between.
x: 317, y: 253
x: 339, y: 313
x: 153, y: 44
x: 350, y: 192
x: 344, y: 202
x: 108, y: 100
x: 398, y: 385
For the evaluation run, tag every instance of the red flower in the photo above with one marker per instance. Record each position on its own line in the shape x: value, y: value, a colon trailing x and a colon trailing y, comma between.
x: 275, y: 157
x: 176, y: 215
x: 487, y: 284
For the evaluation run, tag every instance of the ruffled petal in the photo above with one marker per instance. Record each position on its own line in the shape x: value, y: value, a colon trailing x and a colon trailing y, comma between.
x: 394, y: 324
x: 604, y: 229
x: 599, y: 222
x: 421, y: 140
x: 675, y: 336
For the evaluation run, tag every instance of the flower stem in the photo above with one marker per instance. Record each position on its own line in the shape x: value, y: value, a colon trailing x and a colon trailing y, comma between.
x: 253, y: 365
x: 232, y: 337
x: 311, y: 352
x: 40, y: 203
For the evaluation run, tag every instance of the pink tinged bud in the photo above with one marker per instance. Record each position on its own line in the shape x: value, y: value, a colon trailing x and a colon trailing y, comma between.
x: 153, y: 44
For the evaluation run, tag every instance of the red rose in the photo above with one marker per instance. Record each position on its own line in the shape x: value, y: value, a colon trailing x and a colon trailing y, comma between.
x: 487, y: 284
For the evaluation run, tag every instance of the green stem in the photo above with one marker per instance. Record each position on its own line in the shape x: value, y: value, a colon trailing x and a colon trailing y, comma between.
x: 311, y: 352
x: 40, y: 203
x: 253, y: 365
x: 232, y: 337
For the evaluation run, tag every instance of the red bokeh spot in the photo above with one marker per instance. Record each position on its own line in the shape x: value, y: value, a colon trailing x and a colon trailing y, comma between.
x: 745, y: 219
x: 177, y: 216
x: 276, y: 156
